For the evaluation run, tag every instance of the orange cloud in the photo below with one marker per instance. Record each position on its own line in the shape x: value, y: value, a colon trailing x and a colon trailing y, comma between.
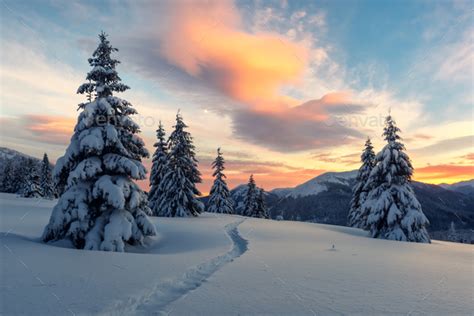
x: 50, y: 129
x: 444, y: 173
x: 469, y: 157
x: 268, y: 175
x: 208, y: 42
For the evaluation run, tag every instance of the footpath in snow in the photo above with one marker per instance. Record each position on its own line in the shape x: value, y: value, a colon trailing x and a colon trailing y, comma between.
x: 291, y: 268
x: 56, y: 281
x: 169, y: 291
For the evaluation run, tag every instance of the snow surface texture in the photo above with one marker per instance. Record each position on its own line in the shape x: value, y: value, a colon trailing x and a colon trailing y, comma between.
x: 288, y: 268
x: 171, y: 290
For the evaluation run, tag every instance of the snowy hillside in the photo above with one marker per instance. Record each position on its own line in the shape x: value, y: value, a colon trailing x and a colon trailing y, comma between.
x: 318, y: 184
x: 466, y: 187
x: 229, y: 265
x: 10, y: 154
x: 16, y: 158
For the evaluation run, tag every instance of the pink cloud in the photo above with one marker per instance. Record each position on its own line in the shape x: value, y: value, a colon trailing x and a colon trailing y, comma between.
x: 50, y: 129
x: 209, y: 42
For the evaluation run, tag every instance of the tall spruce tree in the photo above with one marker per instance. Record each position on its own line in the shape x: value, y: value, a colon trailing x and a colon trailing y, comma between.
x: 158, y: 171
x: 260, y: 210
x: 220, y: 200
x: 358, y: 218
x: 46, y: 180
x: 393, y: 210
x: 102, y: 208
x: 250, y: 199
x: 31, y: 186
x: 179, y: 184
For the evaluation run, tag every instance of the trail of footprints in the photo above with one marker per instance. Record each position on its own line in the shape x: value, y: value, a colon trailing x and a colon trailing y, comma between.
x: 165, y: 293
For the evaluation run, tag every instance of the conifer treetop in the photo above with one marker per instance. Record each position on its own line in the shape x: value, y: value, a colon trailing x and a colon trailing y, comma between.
x: 160, y: 136
x: 218, y: 165
x: 103, y: 79
x: 393, y: 155
x: 390, y: 131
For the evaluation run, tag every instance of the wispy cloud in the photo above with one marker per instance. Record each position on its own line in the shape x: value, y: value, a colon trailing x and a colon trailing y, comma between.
x: 444, y: 173
x: 447, y: 145
x: 50, y: 129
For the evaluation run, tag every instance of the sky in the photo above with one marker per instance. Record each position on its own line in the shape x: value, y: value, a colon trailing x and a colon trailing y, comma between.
x: 287, y: 89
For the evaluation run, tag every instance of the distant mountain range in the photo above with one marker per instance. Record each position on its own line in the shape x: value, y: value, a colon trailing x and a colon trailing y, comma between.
x: 466, y: 187
x: 10, y: 154
x: 325, y: 199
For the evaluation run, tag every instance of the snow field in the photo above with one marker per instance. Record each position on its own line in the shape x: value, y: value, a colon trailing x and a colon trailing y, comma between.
x: 225, y: 265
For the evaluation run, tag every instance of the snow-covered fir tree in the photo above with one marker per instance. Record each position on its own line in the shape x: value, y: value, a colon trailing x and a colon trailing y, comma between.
x: 393, y: 209
x: 102, y: 208
x: 250, y: 199
x: 31, y: 186
x: 46, y: 180
x: 260, y: 210
x: 220, y: 200
x: 22, y: 174
x: 358, y: 218
x: 158, y: 171
x: 179, y: 184
x: 7, y: 177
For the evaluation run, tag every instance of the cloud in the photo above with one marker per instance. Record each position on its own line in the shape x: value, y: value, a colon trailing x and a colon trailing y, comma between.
x: 50, y: 129
x: 45, y: 129
x: 444, y: 173
x: 250, y: 74
x: 208, y: 48
x: 209, y: 42
x: 32, y: 82
x: 447, y: 145
x: 469, y: 157
x: 268, y: 174
x: 418, y: 137
x: 348, y: 160
x: 303, y: 127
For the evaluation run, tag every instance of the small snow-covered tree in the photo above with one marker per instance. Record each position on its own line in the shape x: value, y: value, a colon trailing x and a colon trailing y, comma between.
x: 7, y: 177
x: 452, y: 233
x: 102, y: 208
x: 158, y: 171
x: 31, y: 186
x: 179, y: 184
x: 260, y: 210
x: 358, y: 218
x: 393, y: 210
x: 220, y: 200
x: 250, y: 198
x: 46, y: 180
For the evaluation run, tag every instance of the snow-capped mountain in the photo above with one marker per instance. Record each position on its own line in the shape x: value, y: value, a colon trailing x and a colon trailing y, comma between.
x: 466, y: 187
x: 325, y: 199
x: 318, y: 184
